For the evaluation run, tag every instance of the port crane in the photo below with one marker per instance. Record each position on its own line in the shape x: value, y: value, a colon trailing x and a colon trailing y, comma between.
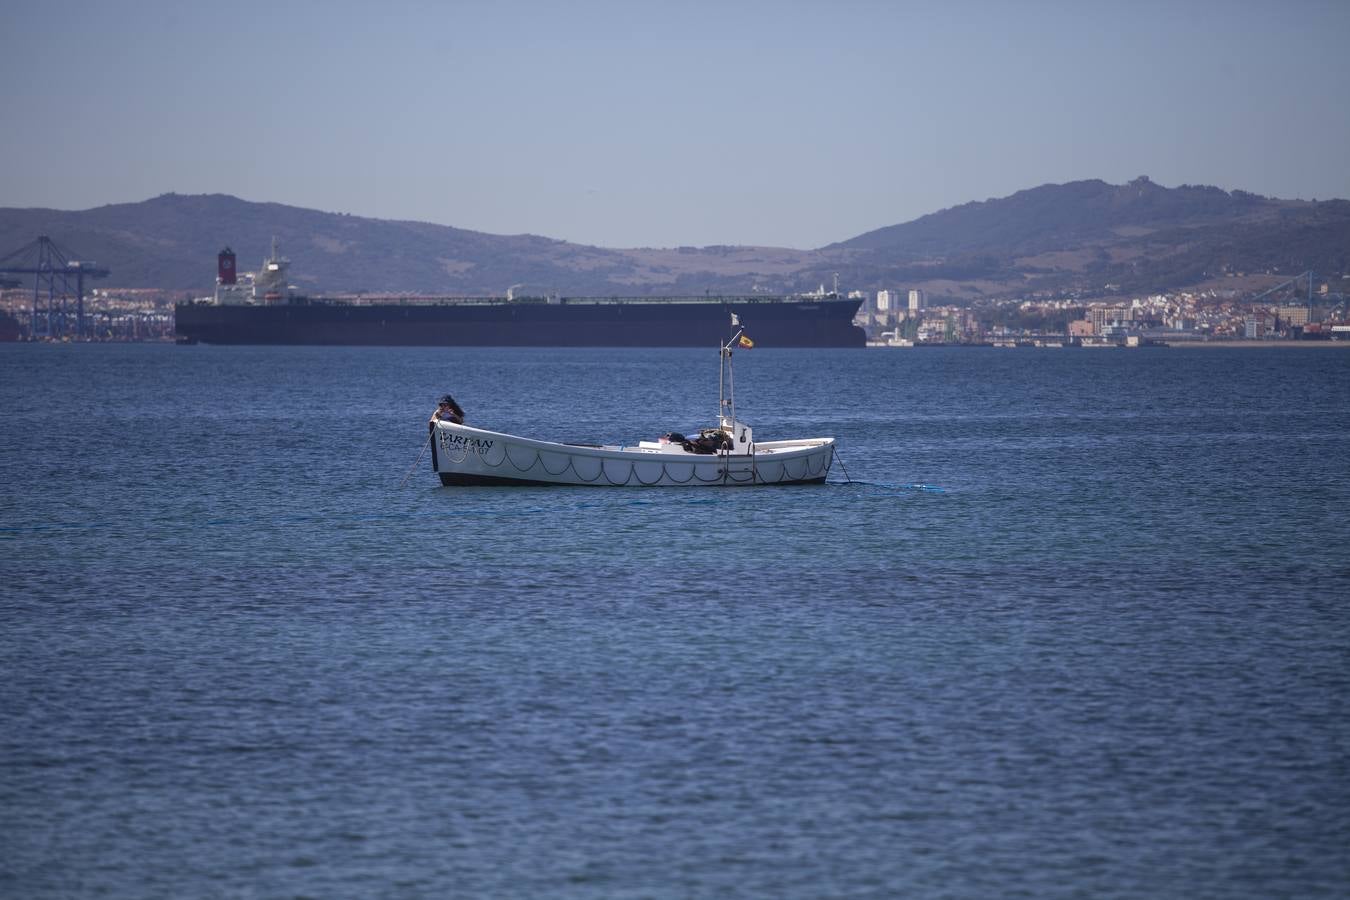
x: 52, y: 268
x: 1286, y: 283
x: 1272, y: 307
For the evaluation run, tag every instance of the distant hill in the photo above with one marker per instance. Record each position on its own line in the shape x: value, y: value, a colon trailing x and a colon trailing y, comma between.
x: 1048, y: 217
x: 1086, y: 234
x: 1079, y: 236
x: 171, y: 242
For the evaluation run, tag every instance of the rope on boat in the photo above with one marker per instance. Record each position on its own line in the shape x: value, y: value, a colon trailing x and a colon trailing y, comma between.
x: 844, y: 467
x: 416, y: 461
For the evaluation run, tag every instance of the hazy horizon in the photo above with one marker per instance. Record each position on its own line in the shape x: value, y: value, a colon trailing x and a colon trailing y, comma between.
x: 626, y: 126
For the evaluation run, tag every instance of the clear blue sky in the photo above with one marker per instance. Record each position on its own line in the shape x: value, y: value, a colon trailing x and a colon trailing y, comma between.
x: 630, y: 124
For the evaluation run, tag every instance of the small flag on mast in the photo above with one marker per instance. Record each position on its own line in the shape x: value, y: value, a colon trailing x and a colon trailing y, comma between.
x: 735, y: 321
x: 746, y: 342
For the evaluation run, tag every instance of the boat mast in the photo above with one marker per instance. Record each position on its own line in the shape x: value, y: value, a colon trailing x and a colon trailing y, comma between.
x: 731, y: 381
x: 726, y: 377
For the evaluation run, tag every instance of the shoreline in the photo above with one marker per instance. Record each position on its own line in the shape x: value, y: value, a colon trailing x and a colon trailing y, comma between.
x: 1164, y: 344
x: 1293, y: 345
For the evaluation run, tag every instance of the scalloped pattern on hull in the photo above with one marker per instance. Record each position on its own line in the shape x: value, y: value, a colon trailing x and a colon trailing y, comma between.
x: 462, y: 455
x: 454, y: 479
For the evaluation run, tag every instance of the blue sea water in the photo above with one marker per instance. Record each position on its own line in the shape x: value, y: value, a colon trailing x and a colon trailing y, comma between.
x: 1077, y: 628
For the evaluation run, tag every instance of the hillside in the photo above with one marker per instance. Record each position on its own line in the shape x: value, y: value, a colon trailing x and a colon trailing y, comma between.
x: 171, y: 241
x: 1079, y: 236
x: 1087, y: 234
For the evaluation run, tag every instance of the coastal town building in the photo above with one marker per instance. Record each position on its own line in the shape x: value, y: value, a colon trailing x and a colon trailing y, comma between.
x: 1293, y: 315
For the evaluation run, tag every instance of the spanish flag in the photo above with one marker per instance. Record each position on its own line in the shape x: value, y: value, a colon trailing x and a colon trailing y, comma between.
x: 746, y: 342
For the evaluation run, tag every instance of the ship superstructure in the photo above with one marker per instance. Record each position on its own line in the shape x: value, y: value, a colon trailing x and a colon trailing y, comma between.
x: 268, y: 285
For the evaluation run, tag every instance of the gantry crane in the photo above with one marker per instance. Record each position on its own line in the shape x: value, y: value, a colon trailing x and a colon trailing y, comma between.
x: 52, y: 268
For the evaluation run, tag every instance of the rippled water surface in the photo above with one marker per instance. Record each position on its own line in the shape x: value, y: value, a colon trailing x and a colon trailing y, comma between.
x: 1078, y: 627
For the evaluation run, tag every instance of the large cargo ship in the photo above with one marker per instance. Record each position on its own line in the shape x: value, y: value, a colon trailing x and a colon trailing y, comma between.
x: 262, y: 309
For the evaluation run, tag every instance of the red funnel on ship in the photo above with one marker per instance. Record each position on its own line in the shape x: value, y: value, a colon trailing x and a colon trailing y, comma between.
x: 225, y: 266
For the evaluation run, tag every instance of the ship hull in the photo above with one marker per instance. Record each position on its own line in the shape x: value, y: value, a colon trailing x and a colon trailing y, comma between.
x: 571, y: 322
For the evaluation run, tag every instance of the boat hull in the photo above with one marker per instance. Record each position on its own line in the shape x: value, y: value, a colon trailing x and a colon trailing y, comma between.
x: 571, y: 322
x: 462, y: 455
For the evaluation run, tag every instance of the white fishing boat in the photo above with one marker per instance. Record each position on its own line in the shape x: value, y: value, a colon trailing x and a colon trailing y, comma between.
x: 725, y: 455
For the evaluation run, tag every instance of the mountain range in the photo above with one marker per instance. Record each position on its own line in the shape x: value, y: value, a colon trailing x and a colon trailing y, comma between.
x: 1084, y: 237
